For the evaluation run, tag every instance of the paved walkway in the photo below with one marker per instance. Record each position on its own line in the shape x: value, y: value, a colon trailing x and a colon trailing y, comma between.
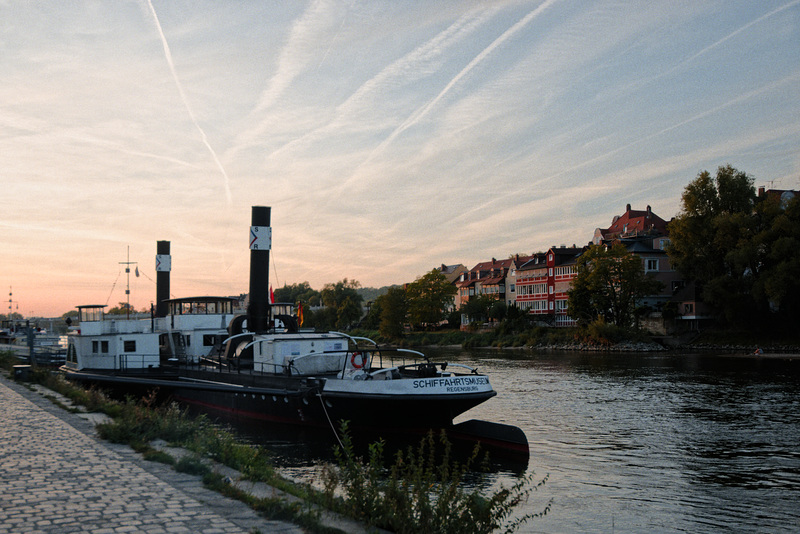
x: 56, y: 476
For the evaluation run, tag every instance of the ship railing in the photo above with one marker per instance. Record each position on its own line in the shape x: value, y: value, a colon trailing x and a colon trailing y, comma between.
x: 395, y: 357
x: 132, y: 361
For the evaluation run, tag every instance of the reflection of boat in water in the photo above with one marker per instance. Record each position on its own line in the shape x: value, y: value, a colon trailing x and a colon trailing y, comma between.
x: 262, y: 366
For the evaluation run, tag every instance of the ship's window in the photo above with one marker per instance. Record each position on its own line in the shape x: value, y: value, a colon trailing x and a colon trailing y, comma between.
x: 129, y: 345
x: 209, y: 340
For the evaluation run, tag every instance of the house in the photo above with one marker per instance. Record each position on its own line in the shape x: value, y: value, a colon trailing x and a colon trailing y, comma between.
x: 486, y: 278
x: 452, y: 274
x: 543, y: 283
x: 645, y: 235
x: 690, y: 311
x: 495, y: 278
x: 632, y: 224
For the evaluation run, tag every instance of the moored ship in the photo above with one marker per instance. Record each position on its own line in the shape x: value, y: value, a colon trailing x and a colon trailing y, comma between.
x: 261, y: 365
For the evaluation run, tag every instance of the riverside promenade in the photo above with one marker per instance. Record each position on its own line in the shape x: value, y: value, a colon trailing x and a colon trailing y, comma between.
x: 56, y: 476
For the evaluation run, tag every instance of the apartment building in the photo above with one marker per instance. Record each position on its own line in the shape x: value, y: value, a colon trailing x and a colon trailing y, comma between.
x: 542, y: 284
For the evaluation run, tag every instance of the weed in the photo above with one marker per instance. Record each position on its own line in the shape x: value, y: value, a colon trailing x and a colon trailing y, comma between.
x: 161, y: 457
x: 421, y: 492
x: 192, y: 465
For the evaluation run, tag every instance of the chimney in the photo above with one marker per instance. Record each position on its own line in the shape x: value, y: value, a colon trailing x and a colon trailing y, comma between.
x: 260, y: 245
x: 627, y: 208
x: 761, y: 191
x: 163, y: 268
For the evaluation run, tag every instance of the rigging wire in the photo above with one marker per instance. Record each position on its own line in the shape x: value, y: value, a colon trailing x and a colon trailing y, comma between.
x: 113, y: 286
x: 275, y: 270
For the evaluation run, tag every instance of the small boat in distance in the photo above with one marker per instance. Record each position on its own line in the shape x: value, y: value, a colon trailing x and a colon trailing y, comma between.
x: 262, y: 366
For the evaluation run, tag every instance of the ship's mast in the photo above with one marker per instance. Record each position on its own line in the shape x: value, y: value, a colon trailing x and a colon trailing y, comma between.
x: 127, y: 265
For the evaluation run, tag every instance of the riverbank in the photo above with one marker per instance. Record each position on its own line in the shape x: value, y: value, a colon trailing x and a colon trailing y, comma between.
x: 591, y: 339
x: 243, y: 471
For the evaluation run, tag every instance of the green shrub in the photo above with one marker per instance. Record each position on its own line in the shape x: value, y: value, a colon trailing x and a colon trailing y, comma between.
x: 192, y: 465
x: 421, y: 492
x: 152, y: 455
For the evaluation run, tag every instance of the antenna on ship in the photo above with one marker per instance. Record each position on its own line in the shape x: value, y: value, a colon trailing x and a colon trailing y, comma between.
x: 127, y: 265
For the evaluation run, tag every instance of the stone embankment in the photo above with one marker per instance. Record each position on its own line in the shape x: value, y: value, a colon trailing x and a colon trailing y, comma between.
x: 627, y: 346
x: 741, y: 349
x: 57, y: 476
x: 630, y: 346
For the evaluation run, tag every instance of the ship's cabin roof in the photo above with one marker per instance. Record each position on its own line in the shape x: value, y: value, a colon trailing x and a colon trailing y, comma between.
x: 202, y: 305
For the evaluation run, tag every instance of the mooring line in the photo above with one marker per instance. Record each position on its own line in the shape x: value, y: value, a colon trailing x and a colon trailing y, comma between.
x: 324, y: 409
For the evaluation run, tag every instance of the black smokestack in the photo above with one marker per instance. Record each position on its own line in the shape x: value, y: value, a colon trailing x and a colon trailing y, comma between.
x: 163, y: 267
x: 260, y: 244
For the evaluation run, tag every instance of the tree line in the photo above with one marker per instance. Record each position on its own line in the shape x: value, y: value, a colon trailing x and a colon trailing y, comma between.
x: 741, y: 250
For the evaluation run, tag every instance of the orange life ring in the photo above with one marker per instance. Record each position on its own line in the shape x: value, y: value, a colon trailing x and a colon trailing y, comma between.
x: 353, y: 360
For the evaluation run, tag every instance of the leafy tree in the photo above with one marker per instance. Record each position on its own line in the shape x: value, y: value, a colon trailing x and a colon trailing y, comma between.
x: 343, y: 301
x: 497, y: 310
x: 477, y: 308
x: 123, y: 309
x: 297, y: 293
x: 428, y: 296
x: 372, y: 320
x: 776, y: 288
x: 393, y: 309
x: 712, y: 240
x: 608, y: 284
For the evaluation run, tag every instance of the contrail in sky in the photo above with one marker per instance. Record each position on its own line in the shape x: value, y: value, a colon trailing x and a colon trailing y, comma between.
x: 168, y: 55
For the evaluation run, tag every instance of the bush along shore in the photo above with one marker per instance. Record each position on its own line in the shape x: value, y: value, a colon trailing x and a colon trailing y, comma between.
x: 421, y: 491
x: 598, y: 336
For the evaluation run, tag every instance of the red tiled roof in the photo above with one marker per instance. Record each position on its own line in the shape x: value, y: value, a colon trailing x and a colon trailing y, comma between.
x: 636, y: 221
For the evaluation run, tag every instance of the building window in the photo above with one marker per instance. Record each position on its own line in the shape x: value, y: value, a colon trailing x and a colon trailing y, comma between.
x: 129, y: 345
x: 688, y: 308
x: 104, y: 347
x: 511, y: 288
x: 650, y: 265
x: 95, y: 346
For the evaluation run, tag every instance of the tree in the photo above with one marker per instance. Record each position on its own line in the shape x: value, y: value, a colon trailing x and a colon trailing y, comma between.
x: 297, y: 293
x: 428, y: 296
x: 776, y: 289
x: 477, y: 308
x: 712, y: 241
x: 608, y: 284
x: 123, y: 309
x: 393, y: 308
x: 344, y: 303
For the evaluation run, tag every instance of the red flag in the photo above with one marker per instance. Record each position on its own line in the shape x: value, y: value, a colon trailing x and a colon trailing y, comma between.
x: 300, y: 313
x: 271, y: 295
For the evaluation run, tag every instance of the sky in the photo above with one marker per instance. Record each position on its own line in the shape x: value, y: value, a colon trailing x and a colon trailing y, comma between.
x: 388, y: 137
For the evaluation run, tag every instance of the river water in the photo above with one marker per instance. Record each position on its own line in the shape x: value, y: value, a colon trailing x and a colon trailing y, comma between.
x: 648, y: 442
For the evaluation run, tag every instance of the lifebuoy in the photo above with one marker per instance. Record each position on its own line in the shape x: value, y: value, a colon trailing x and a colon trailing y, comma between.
x: 363, y: 358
